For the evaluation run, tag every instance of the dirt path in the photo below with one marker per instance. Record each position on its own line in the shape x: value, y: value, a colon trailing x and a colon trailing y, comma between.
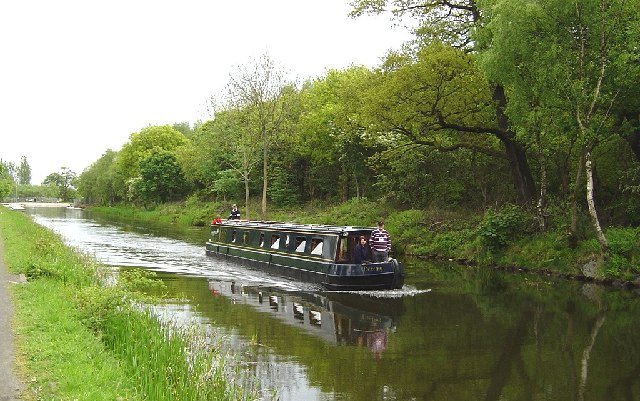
x: 10, y: 386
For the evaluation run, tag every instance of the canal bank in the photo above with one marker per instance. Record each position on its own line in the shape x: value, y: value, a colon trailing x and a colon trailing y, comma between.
x: 10, y: 384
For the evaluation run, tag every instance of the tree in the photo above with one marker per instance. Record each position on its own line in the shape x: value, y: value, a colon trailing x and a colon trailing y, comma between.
x: 332, y: 133
x: 24, y: 172
x: 438, y: 99
x: 161, y: 178
x: 183, y: 127
x: 141, y: 145
x: 459, y: 24
x: 241, y: 146
x: 568, y: 59
x: 6, y: 181
x: 64, y: 181
x: 98, y: 184
x: 261, y: 89
x: 223, y: 154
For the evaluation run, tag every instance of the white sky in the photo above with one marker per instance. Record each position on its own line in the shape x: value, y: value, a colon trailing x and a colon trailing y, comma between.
x: 77, y: 77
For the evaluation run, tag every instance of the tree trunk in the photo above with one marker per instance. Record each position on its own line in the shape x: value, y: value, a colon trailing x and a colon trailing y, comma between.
x: 573, y: 228
x: 604, y: 246
x: 264, y: 174
x: 246, y: 197
x: 542, y: 200
x: 516, y: 155
x: 541, y: 207
x: 355, y: 180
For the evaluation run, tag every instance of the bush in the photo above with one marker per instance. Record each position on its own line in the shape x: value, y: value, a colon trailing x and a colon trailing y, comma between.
x: 624, y: 252
x: 408, y: 227
x: 451, y: 243
x: 500, y: 227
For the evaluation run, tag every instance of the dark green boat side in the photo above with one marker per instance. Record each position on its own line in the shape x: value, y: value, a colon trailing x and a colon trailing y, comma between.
x: 307, y: 252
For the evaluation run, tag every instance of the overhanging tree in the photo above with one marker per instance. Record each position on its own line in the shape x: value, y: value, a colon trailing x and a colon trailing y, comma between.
x: 459, y: 24
x: 573, y: 56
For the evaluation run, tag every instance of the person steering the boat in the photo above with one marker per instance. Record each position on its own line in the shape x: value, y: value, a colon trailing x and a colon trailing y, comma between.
x: 380, y: 243
x: 235, y: 213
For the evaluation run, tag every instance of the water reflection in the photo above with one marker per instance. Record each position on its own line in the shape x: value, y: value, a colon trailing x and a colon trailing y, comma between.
x: 335, y: 318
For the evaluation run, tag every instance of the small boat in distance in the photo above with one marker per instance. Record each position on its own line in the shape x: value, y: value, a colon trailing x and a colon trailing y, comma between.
x: 313, y: 253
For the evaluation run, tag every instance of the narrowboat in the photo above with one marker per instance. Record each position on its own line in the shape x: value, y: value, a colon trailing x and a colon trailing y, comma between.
x: 320, y: 254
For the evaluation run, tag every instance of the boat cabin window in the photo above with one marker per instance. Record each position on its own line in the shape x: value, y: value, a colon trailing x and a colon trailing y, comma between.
x: 245, y: 237
x: 286, y: 243
x: 233, y: 236
x: 301, y: 243
x: 261, y: 240
x: 275, y: 241
x: 316, y: 246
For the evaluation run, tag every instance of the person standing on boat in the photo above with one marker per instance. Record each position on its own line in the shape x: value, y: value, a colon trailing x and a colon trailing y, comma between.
x: 360, y: 251
x: 380, y: 243
x: 235, y: 213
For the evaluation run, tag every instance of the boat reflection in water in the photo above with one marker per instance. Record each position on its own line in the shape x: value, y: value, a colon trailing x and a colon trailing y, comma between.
x: 338, y: 319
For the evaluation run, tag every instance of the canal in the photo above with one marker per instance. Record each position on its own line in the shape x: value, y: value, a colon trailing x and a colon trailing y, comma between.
x: 452, y: 333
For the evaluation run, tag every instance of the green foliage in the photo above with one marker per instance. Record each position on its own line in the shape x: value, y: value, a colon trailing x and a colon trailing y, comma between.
x: 355, y: 212
x: 101, y: 183
x: 450, y: 244
x: 7, y: 181
x: 330, y: 145
x: 425, y: 130
x: 6, y: 188
x: 175, y: 363
x: 500, y: 227
x: 37, y: 252
x: 65, y: 182
x: 161, y: 178
x: 549, y: 251
x: 142, y: 143
x: 624, y: 248
x: 97, y: 304
x: 614, y: 163
x: 281, y: 191
x: 223, y: 153
x: 408, y: 227
x: 24, y: 172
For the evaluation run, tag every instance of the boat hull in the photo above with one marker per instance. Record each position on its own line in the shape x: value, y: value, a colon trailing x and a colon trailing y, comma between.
x: 330, y: 275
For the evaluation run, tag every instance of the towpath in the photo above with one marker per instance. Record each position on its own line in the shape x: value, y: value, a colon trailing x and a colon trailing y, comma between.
x: 10, y: 385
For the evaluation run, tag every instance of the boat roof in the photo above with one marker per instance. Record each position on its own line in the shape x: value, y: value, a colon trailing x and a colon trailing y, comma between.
x: 279, y: 226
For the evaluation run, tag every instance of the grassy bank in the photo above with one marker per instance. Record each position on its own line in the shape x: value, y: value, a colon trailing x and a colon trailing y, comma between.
x: 507, y: 237
x: 78, y: 339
